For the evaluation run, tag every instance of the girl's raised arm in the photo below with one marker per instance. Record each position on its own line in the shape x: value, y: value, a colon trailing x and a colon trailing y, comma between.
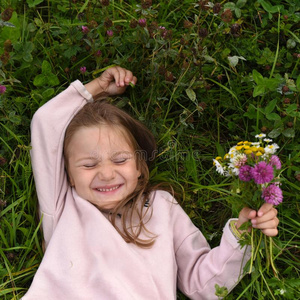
x: 47, y: 136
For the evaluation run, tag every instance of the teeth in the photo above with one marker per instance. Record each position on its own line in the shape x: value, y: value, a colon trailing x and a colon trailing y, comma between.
x: 108, y: 190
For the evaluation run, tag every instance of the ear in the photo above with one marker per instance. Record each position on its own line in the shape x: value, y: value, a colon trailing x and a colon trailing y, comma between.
x: 71, y: 181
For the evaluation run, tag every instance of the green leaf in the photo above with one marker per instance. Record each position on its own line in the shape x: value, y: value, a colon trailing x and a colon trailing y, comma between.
x: 257, y: 77
x: 52, y: 80
x: 33, y: 3
x: 229, y: 5
x: 291, y: 108
x: 241, y: 3
x: 48, y: 93
x: 289, y: 132
x: 46, y: 67
x: 258, y: 90
x: 273, y: 117
x: 191, y: 94
x: 238, y: 12
x: 275, y: 133
x: 40, y: 80
x: 251, y: 113
x: 270, y: 107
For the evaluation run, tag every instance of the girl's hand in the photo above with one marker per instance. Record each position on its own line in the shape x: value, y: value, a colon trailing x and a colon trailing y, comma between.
x: 265, y: 219
x: 112, y: 81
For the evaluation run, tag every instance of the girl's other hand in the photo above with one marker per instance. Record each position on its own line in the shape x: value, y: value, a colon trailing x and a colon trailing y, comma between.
x: 112, y: 81
x: 264, y: 219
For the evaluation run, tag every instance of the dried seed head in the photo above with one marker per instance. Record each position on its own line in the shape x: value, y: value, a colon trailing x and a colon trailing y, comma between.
x: 297, y: 177
x: 105, y: 2
x: 217, y: 8
x: 146, y: 4
x: 226, y: 16
x: 287, y: 101
x: 7, y: 14
x: 169, y: 76
x: 290, y: 124
x: 5, y: 57
x: 133, y: 23
x: 8, y: 46
x: 93, y: 24
x: 187, y: 24
x: 202, y: 105
x: 235, y: 28
x: 203, y: 32
x: 107, y: 23
x: 3, y: 161
x: 263, y: 129
x: 285, y: 89
x: 204, y: 4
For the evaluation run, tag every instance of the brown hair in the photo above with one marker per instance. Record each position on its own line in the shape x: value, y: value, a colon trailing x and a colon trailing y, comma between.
x: 98, y: 113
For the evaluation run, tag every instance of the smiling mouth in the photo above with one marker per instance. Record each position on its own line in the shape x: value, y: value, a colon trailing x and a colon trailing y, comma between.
x: 108, y: 189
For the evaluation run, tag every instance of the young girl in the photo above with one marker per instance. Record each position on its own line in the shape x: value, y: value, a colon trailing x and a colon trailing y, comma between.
x: 108, y: 234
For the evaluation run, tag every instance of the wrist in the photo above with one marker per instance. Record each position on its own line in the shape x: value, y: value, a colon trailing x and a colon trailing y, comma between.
x: 95, y: 89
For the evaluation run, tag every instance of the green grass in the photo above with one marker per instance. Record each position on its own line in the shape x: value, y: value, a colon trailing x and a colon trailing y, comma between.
x: 195, y: 102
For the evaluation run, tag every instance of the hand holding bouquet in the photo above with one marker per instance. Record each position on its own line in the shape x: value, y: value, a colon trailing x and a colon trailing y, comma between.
x: 255, y: 170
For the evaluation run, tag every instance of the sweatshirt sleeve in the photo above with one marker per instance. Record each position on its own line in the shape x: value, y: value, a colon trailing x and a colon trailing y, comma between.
x: 47, y: 135
x: 200, y: 268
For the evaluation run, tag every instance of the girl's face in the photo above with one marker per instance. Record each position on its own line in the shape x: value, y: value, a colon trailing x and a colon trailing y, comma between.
x: 102, y: 166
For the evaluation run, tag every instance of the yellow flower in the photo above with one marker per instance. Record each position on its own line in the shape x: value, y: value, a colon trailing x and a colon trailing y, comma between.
x: 258, y: 153
x: 218, y: 158
x: 246, y: 147
x: 239, y: 147
x: 240, y: 143
x: 248, y: 151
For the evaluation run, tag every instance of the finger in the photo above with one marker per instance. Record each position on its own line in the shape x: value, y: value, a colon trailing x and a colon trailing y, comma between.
x: 269, y: 215
x: 244, y: 216
x: 271, y: 223
x: 109, y: 75
x: 270, y: 232
x: 134, y: 80
x: 128, y: 77
x: 264, y: 209
x: 122, y: 74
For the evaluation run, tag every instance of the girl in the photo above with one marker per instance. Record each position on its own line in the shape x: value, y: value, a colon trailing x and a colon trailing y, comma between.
x: 108, y: 235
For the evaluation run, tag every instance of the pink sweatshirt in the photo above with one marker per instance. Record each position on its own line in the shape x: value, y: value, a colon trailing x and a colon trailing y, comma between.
x: 85, y: 256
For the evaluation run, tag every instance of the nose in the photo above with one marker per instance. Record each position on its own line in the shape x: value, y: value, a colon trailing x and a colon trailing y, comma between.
x: 106, y: 172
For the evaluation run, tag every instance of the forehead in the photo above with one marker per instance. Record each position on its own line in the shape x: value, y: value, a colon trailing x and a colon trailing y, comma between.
x: 99, y: 138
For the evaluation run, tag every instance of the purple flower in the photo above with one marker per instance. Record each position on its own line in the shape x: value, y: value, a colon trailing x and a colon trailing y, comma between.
x: 82, y: 70
x: 85, y: 29
x: 142, y: 22
x: 272, y: 194
x: 109, y: 32
x: 245, y: 173
x: 2, y: 89
x: 262, y: 173
x: 275, y: 162
x: 98, y: 53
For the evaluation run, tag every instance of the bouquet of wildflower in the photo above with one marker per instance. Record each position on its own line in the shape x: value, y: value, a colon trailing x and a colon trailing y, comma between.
x: 255, y: 169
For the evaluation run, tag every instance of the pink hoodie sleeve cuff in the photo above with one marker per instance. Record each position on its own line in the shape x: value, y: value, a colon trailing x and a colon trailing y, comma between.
x: 82, y: 90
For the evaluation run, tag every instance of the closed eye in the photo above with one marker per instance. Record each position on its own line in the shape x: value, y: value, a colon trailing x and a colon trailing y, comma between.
x: 120, y: 161
x: 89, y: 166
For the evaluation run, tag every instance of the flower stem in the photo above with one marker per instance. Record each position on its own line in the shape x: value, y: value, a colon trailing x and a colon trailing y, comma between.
x: 271, y: 257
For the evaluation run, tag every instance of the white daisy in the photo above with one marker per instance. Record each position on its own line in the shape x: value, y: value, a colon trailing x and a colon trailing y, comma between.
x: 268, y: 140
x: 271, y: 149
x: 260, y: 136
